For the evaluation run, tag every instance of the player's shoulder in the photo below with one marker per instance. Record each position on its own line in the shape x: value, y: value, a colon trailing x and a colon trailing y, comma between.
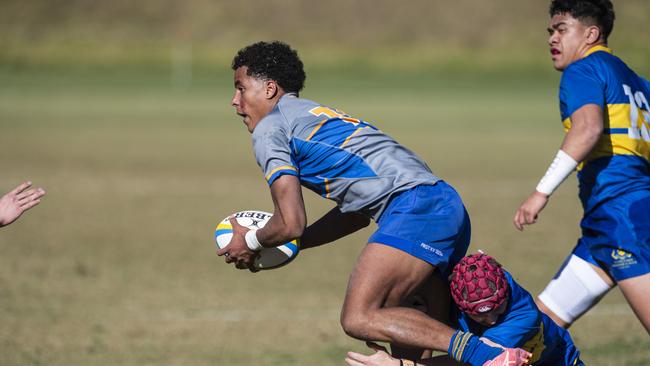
x: 586, y: 67
x: 290, y: 116
x: 594, y: 61
x: 510, y: 279
x: 600, y: 62
x: 521, y: 301
x: 292, y: 108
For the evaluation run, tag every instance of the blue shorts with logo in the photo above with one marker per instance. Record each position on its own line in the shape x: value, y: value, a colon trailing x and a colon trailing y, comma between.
x: 616, y: 236
x: 429, y: 222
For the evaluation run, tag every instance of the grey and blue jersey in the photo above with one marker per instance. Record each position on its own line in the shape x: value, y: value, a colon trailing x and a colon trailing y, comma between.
x: 335, y: 155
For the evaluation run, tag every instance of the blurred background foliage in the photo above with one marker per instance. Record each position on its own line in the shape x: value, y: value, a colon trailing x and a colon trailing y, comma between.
x: 379, y: 34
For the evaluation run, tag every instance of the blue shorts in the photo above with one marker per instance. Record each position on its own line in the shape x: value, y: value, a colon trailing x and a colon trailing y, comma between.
x: 429, y: 222
x: 616, y: 236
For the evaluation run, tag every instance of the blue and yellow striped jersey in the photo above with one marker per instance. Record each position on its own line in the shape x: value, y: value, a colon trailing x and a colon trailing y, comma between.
x: 620, y: 161
x: 523, y: 325
x: 335, y: 155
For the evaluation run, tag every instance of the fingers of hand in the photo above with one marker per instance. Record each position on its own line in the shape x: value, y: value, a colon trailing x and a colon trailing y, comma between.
x: 516, y: 356
x: 23, y: 186
x: 253, y: 269
x: 352, y: 362
x: 29, y: 196
x: 515, y: 220
x: 519, y: 220
x: 30, y: 204
x: 222, y: 251
x: 233, y: 221
x: 357, y: 358
x: 530, y: 217
x: 525, y: 354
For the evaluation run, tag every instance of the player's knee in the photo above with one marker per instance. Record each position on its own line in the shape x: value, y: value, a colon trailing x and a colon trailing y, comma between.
x: 556, y: 319
x: 355, y: 323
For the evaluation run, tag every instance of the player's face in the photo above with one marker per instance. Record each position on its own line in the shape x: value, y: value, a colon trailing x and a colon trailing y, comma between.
x: 490, y: 318
x: 568, y: 40
x: 253, y: 98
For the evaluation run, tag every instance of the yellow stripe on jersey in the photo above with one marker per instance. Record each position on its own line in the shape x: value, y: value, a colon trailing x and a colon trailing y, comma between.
x: 284, y: 167
x: 327, y: 188
x: 535, y: 345
x: 313, y: 132
x: 352, y: 134
x: 597, y: 48
x: 616, y: 140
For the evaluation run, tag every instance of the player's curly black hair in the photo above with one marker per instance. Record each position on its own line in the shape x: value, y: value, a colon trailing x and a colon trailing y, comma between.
x: 275, y: 61
x: 594, y: 12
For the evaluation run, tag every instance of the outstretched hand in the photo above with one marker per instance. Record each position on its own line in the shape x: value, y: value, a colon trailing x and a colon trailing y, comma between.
x: 19, y: 200
x: 529, y: 210
x: 379, y: 358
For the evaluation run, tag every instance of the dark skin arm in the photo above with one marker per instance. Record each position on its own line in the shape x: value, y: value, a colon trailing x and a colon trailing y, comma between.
x: 331, y: 227
x: 288, y: 223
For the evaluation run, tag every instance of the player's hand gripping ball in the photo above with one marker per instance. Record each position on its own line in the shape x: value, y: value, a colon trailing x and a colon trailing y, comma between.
x: 267, y: 258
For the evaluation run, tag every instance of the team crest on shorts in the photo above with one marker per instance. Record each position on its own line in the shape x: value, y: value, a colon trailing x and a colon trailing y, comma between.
x: 622, y: 259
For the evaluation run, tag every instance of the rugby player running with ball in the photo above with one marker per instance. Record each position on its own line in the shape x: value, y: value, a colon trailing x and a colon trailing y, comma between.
x: 423, y: 227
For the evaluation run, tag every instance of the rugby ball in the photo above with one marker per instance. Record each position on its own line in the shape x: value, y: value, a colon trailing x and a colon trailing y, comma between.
x: 268, y: 258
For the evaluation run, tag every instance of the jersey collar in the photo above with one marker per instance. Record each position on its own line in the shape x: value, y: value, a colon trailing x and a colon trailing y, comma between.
x: 596, y: 49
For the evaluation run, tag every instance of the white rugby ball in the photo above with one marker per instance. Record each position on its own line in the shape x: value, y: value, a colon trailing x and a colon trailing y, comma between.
x: 268, y: 258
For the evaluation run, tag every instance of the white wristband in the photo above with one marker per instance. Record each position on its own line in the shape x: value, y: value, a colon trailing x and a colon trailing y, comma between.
x: 560, y: 168
x: 251, y: 241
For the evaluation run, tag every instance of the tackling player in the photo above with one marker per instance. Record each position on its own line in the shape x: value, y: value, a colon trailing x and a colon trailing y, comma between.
x: 606, y: 114
x: 423, y: 226
x: 490, y: 304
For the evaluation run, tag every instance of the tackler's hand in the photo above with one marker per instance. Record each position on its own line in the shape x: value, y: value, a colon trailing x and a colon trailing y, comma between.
x: 379, y: 358
x: 511, y: 357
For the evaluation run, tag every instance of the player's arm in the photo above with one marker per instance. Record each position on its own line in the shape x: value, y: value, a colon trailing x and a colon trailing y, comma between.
x: 586, y: 128
x: 287, y: 223
x: 331, y: 227
x: 289, y: 218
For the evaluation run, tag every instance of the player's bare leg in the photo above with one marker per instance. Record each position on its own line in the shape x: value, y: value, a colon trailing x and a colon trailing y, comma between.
x: 544, y: 309
x: 382, y: 278
x: 432, y: 298
x: 637, y: 292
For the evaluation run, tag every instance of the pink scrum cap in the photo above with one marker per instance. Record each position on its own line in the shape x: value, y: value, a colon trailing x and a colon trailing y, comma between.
x: 478, y: 284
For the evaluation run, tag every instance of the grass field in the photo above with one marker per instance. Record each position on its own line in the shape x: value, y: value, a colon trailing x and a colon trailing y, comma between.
x: 118, y: 267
